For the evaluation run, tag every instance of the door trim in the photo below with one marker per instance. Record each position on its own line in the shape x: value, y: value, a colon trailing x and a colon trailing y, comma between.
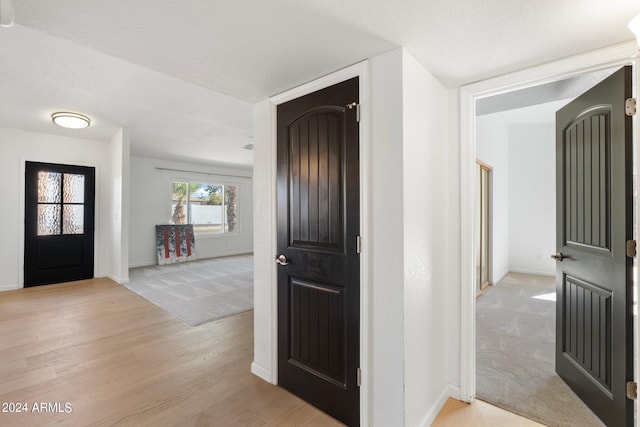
x: 618, y: 55
x: 270, y: 373
x: 21, y: 212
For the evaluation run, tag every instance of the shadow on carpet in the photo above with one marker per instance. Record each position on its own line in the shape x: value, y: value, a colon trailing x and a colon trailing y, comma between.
x: 515, y: 353
x: 198, y: 291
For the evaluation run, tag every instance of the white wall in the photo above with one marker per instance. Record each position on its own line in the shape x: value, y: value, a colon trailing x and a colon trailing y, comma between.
x: 426, y: 217
x: 18, y: 146
x: 386, y: 241
x: 492, y: 147
x: 520, y: 146
x: 532, y: 198
x: 453, y: 324
x: 119, y: 215
x: 264, y: 249
x: 150, y: 205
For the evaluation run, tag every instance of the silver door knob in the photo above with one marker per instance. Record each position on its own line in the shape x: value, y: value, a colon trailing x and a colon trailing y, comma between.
x: 282, y: 260
x: 558, y: 256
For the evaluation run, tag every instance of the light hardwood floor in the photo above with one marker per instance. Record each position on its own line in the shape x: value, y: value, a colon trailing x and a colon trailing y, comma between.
x: 478, y: 414
x: 119, y: 360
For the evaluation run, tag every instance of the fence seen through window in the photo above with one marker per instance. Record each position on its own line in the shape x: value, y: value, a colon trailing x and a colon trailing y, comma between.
x: 211, y: 208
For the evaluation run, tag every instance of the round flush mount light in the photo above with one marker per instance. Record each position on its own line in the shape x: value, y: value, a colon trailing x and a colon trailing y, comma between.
x: 69, y: 120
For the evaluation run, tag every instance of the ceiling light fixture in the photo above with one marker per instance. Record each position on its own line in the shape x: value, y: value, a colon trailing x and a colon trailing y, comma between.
x: 634, y: 25
x: 7, y: 13
x: 69, y: 120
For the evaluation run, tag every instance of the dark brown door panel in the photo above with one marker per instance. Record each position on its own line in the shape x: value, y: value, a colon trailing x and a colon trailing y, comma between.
x: 594, y: 329
x: 318, y: 275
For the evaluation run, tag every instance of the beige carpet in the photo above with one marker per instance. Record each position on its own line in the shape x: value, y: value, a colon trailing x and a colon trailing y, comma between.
x: 198, y: 291
x: 515, y: 358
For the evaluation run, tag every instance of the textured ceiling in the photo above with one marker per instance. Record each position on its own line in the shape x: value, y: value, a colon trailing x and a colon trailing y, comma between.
x: 251, y: 49
x: 167, y: 117
x: 246, y: 49
x: 183, y: 75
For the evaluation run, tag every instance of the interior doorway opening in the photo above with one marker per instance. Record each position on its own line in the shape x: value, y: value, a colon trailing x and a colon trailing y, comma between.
x: 523, y: 237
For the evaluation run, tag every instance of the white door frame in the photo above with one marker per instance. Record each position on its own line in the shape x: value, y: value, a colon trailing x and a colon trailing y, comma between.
x: 361, y: 71
x: 618, y: 55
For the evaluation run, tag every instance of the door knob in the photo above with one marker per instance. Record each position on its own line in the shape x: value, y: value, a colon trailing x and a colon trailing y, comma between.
x: 558, y: 256
x: 282, y: 260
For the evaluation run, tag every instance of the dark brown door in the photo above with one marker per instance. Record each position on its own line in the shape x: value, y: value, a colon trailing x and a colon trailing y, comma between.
x: 318, y: 273
x: 59, y: 223
x: 594, y: 341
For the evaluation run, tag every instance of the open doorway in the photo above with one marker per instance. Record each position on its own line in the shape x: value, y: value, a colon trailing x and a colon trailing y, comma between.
x: 515, y: 318
x: 469, y: 95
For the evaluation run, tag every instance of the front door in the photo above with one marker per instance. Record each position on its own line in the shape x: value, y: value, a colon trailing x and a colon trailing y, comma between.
x: 594, y: 341
x: 318, y: 227
x: 59, y: 222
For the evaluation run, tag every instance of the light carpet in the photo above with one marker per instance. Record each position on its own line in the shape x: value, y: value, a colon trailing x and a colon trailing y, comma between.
x: 198, y: 291
x: 515, y: 358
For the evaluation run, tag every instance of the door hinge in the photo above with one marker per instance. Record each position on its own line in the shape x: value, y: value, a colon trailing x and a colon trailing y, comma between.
x: 630, y: 106
x: 358, y: 244
x: 632, y: 390
x: 631, y: 248
x: 359, y: 378
x: 357, y: 107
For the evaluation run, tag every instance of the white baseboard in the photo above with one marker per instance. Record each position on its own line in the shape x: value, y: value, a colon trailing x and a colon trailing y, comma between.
x: 118, y: 280
x: 262, y: 372
x: 143, y: 263
x: 454, y: 392
x: 138, y: 264
x: 11, y: 287
x: 449, y: 391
